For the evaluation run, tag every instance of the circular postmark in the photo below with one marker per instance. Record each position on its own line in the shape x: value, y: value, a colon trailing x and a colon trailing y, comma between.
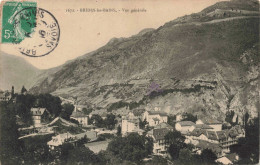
x: 36, y: 32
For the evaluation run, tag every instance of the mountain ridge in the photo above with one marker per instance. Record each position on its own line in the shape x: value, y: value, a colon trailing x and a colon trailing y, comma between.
x: 204, y: 59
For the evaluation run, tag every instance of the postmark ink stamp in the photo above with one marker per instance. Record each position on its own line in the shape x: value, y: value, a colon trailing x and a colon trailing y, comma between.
x: 34, y: 31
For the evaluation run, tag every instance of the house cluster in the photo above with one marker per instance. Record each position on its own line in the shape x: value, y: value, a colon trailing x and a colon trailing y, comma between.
x: 60, y: 139
x: 203, y: 134
x: 155, y: 119
x: 208, y: 134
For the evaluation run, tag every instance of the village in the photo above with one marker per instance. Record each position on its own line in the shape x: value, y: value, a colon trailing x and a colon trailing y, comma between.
x: 202, y: 134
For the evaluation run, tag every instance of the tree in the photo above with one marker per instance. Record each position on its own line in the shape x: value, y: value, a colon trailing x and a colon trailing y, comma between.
x: 246, y: 117
x: 64, y: 152
x: 87, y: 111
x: 189, y: 117
x: 248, y: 148
x: 67, y: 110
x: 10, y: 146
x: 142, y: 124
x: 119, y: 129
x: 82, y: 155
x: 97, y: 120
x: 176, y: 142
x: 208, y: 156
x: 51, y: 103
x: 23, y: 90
x: 110, y: 121
x: 185, y: 156
x: 132, y: 148
x: 172, y: 120
x: 229, y: 116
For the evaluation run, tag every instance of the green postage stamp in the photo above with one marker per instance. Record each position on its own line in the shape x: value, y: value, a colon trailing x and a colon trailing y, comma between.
x: 17, y: 25
x: 34, y: 31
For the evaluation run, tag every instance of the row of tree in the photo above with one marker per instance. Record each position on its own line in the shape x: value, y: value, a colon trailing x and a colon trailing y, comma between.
x: 109, y: 122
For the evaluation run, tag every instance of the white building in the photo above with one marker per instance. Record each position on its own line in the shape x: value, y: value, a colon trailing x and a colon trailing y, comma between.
x: 215, y: 124
x: 130, y: 125
x: 80, y: 117
x: 59, y: 140
x: 185, y: 126
x: 155, y: 117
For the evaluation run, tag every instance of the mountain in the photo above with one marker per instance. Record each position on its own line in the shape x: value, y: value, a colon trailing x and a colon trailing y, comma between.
x: 15, y: 71
x: 206, y: 63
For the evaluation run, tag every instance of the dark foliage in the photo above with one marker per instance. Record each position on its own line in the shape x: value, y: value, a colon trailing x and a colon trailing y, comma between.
x: 132, y: 148
x: 189, y: 117
x: 248, y: 147
x: 67, y: 110
x: 10, y: 146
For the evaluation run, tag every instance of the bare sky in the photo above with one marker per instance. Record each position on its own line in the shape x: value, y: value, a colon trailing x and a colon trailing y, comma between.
x: 84, y: 32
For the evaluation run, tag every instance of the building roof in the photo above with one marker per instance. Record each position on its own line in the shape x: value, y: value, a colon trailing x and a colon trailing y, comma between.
x: 216, y: 135
x: 157, y: 113
x: 203, y: 126
x: 163, y: 125
x: 224, y: 160
x: 233, y: 157
x: 197, y: 132
x: 92, y: 135
x: 156, y: 119
x: 77, y: 114
x: 212, y: 135
x: 159, y: 134
x: 38, y: 111
x: 207, y: 145
x: 221, y: 135
x: 210, y: 121
x: 96, y: 147
x: 186, y: 123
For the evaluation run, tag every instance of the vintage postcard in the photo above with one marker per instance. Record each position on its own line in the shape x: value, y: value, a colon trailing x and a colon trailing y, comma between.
x: 111, y: 82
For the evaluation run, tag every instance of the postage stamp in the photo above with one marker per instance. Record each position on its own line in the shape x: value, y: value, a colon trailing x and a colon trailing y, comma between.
x: 34, y: 31
x: 13, y: 31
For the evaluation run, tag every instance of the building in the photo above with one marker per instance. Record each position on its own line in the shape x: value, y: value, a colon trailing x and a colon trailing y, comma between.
x: 179, y: 117
x: 155, y: 117
x: 224, y: 138
x: 215, y: 124
x: 202, y: 145
x: 228, y: 159
x: 40, y: 116
x: 164, y: 125
x: 96, y: 147
x: 185, y: 126
x: 59, y: 140
x: 204, y: 126
x: 80, y: 117
x: 160, y: 145
x: 5, y: 96
x: 130, y: 125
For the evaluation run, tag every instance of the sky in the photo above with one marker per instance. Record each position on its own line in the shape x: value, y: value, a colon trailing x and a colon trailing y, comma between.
x: 83, y: 32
